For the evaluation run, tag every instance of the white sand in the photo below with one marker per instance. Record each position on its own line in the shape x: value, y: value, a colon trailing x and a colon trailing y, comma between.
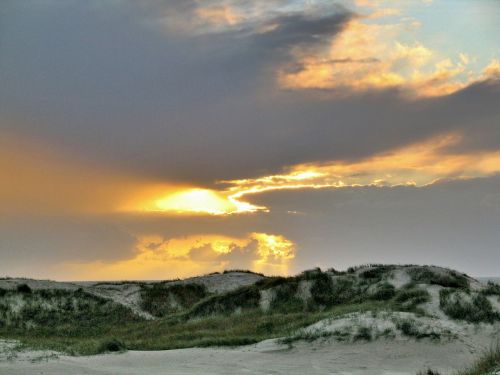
x: 387, y: 357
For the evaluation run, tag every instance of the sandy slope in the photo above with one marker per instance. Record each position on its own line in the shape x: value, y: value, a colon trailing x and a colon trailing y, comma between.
x: 388, y: 357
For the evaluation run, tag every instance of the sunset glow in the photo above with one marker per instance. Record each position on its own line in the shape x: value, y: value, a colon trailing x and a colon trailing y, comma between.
x: 417, y: 165
x: 160, y: 139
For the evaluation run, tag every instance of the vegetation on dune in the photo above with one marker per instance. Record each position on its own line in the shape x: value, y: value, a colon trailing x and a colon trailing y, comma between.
x: 54, y: 310
x: 188, y: 315
x: 176, y: 332
x: 487, y: 364
x: 161, y: 299
x: 491, y: 289
x: 450, y: 279
x: 472, y: 308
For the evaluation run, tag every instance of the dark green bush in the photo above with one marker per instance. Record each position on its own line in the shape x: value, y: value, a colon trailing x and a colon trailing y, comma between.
x: 161, y: 299
x: 478, y: 309
x: 345, y: 290
x: 491, y: 289
x: 412, y: 296
x: 451, y: 279
x: 24, y: 288
x: 246, y: 297
x: 363, y: 333
x: 322, y: 290
x: 376, y: 272
x: 384, y: 292
x: 112, y: 345
x: 285, y: 299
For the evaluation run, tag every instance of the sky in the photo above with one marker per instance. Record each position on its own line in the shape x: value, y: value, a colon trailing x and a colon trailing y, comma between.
x: 162, y: 139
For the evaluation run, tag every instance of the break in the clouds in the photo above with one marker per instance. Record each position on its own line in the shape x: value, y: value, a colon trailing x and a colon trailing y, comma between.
x: 157, y: 139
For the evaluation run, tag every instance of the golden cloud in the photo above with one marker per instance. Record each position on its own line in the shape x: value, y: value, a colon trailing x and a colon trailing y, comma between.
x: 418, y: 165
x: 368, y: 55
x: 219, y: 15
x: 159, y: 258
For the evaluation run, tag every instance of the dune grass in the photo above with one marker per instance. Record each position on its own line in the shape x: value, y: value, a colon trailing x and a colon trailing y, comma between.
x: 250, y: 326
x: 487, y: 364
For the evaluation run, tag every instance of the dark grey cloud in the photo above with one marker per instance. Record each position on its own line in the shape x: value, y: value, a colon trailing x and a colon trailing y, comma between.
x: 105, y: 81
x: 44, y: 240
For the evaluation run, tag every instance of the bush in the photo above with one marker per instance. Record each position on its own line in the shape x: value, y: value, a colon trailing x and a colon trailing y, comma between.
x: 451, y: 279
x: 384, y: 292
x: 478, y: 309
x: 112, y: 345
x: 322, y: 290
x: 409, y: 298
x: 240, y: 271
x: 408, y: 327
x: 363, y: 333
x: 345, y: 290
x: 246, y: 297
x: 285, y: 299
x: 376, y: 272
x: 24, y: 288
x: 491, y: 289
x: 162, y: 299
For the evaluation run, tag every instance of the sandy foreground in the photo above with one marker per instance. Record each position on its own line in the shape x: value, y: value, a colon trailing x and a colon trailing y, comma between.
x: 390, y: 357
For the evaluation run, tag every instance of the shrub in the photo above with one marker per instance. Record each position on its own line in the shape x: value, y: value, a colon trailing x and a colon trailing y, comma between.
x: 478, y: 309
x: 345, y: 290
x: 24, y: 288
x: 384, y: 292
x: 411, y: 297
x: 491, y: 289
x: 240, y: 271
x: 161, y: 299
x: 408, y: 327
x: 375, y: 273
x: 363, y: 333
x: 3, y: 292
x: 245, y: 298
x: 285, y: 299
x: 322, y: 290
x: 451, y: 279
x: 112, y: 345
x: 429, y: 372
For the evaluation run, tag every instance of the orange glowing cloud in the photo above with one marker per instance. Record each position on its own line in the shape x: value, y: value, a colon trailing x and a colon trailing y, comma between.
x: 368, y: 55
x: 417, y: 165
x: 219, y: 15
x: 160, y: 258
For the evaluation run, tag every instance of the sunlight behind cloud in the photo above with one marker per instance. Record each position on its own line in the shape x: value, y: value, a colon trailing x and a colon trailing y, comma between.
x: 418, y: 165
x: 160, y: 258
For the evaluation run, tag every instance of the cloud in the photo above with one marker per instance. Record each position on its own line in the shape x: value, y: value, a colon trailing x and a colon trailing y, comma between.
x: 417, y: 165
x: 160, y: 258
x: 113, y: 111
x: 197, y: 108
x: 369, y: 55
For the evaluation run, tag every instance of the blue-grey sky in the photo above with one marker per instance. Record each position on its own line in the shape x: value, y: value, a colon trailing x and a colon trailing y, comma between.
x: 157, y: 139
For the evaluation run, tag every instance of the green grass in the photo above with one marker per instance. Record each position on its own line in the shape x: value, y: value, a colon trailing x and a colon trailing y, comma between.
x: 249, y: 327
